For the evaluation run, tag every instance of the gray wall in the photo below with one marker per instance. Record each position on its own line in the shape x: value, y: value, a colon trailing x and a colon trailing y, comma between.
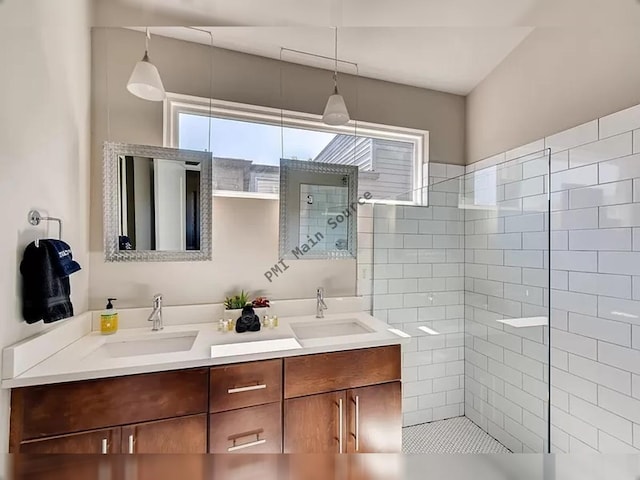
x: 239, y: 77
x: 44, y: 158
x: 558, y: 77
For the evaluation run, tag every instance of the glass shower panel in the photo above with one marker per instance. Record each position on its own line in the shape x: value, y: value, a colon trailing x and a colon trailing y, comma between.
x: 595, y: 335
x: 418, y: 287
x: 468, y: 278
x: 506, y: 265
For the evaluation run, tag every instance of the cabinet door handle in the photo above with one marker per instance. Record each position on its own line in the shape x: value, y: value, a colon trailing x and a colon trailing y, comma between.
x: 340, y: 428
x: 246, y: 445
x: 357, y: 399
x: 131, y: 442
x: 105, y: 446
x: 257, y: 441
x: 262, y: 386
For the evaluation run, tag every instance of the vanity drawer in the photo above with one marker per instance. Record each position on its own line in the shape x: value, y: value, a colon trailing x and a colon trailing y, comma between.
x: 245, y: 385
x: 247, y: 430
x: 88, y: 405
x: 329, y: 372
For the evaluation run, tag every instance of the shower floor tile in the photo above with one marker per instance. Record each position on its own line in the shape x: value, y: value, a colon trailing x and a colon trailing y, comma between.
x: 455, y: 435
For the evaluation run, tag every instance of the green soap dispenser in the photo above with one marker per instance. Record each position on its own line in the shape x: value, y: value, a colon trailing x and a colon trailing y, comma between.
x: 109, y: 319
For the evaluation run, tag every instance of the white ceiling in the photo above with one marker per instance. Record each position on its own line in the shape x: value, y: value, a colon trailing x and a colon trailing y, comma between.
x: 447, y: 45
x: 386, y: 13
x: 452, y: 59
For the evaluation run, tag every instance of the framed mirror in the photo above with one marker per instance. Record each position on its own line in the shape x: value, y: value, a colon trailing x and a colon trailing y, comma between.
x: 157, y: 204
x: 318, y: 210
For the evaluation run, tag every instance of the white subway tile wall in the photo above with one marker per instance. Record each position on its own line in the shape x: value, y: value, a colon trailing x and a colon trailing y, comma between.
x: 507, y: 277
x: 417, y: 268
x: 479, y: 254
x: 595, y: 296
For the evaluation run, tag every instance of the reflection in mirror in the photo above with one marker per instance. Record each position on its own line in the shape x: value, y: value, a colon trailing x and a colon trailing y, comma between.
x: 318, y: 210
x: 157, y: 203
x: 319, y: 203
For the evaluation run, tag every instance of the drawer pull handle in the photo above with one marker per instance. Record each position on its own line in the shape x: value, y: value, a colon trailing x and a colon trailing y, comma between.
x: 340, y: 424
x: 105, y: 446
x: 258, y: 441
x: 357, y: 422
x: 247, y: 389
x: 131, y: 440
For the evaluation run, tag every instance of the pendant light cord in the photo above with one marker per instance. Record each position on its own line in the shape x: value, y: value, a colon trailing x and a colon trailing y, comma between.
x: 211, y: 50
x: 281, y: 109
x: 106, y: 87
x: 335, y: 71
x: 210, y: 91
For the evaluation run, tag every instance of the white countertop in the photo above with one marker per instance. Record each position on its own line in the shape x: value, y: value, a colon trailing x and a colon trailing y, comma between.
x: 82, y: 359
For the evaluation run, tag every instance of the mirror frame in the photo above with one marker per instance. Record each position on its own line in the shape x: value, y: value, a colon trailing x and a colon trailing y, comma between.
x: 351, y: 172
x: 110, y: 199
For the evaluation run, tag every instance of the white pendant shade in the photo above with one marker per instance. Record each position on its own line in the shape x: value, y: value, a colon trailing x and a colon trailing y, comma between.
x: 335, y: 112
x: 145, y: 81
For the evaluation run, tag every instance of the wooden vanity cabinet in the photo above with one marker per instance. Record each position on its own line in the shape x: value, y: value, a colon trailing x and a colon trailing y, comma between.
x: 96, y: 442
x: 315, y: 423
x: 374, y: 419
x: 245, y: 385
x: 347, y: 402
x: 81, y: 417
x: 361, y: 420
x: 245, y: 402
x: 175, y: 435
x: 247, y: 430
x: 344, y: 402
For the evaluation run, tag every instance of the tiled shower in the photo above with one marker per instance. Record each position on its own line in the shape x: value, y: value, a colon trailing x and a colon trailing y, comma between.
x: 473, y: 279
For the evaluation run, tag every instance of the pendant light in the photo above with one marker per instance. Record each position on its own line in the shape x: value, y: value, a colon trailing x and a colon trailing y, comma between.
x: 335, y: 112
x: 145, y: 81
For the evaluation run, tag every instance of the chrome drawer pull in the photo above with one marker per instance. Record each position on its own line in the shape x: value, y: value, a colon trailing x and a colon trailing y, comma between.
x: 105, y: 446
x: 131, y: 443
x: 357, y: 423
x: 247, y: 389
x: 246, y: 445
x: 340, y: 423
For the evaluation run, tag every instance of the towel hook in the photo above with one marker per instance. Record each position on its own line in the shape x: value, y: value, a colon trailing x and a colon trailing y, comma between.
x: 35, y: 218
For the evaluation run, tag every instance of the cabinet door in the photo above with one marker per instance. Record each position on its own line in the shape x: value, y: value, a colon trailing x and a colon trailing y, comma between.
x: 375, y: 419
x: 315, y: 424
x: 176, y: 435
x: 38, y: 412
x: 99, y: 441
x: 247, y: 430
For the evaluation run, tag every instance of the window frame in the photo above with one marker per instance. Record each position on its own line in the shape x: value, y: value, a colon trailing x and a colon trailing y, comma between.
x: 176, y: 103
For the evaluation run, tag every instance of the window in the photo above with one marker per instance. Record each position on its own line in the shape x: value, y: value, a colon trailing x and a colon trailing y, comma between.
x: 248, y: 141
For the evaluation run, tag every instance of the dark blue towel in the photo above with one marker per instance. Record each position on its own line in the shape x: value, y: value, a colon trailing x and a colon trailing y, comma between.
x: 46, y: 290
x: 124, y: 243
x: 63, y: 261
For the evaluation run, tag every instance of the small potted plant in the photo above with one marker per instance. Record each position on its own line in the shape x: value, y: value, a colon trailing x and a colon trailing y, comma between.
x: 261, y: 306
x: 233, y: 305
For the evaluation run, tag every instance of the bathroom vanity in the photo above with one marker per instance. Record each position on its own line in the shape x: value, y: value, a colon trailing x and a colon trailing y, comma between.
x: 192, y: 388
x: 339, y: 402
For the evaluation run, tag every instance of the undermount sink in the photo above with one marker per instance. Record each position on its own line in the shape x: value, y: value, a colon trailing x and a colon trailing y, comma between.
x: 149, y: 344
x: 329, y: 328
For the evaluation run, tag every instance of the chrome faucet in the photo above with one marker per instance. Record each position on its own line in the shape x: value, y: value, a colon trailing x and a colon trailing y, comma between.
x: 156, y: 314
x: 320, y: 305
